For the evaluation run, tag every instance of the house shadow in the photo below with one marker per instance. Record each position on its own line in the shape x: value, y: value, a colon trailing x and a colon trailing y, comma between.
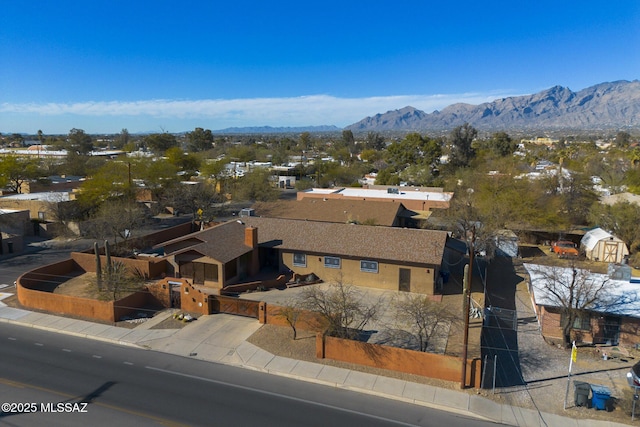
x: 499, y: 337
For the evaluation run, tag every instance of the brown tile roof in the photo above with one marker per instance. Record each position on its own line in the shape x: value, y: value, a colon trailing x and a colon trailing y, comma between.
x: 224, y: 242
x: 333, y: 210
x: 359, y: 241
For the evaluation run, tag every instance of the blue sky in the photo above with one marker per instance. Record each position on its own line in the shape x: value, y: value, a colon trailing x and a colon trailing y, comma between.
x: 175, y: 65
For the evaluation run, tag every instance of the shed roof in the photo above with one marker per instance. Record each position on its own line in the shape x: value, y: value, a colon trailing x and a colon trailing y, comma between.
x: 592, y: 237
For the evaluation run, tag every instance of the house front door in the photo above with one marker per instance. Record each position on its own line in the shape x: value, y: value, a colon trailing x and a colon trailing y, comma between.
x: 404, y: 280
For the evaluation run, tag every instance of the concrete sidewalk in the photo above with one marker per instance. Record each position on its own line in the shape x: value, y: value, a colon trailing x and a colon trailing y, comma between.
x: 222, y: 338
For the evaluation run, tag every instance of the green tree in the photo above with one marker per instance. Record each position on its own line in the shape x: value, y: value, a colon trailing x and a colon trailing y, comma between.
x: 110, y: 181
x: 79, y: 142
x: 160, y: 142
x: 348, y: 138
x: 122, y: 139
x: 414, y: 149
x: 305, y: 141
x: 256, y: 186
x: 14, y: 171
x: 374, y: 141
x: 188, y: 163
x: 200, y: 140
x: 461, y: 143
x: 502, y: 144
x: 622, y: 139
x: 621, y: 219
x: 387, y: 176
x: 188, y: 198
x: 216, y: 171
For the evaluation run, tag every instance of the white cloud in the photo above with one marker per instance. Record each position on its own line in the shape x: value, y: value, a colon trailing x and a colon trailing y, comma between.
x: 294, y: 111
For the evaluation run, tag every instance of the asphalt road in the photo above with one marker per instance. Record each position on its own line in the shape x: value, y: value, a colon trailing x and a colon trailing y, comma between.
x: 129, y: 386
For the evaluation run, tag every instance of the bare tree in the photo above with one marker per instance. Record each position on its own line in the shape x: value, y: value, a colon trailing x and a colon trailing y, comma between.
x: 424, y: 319
x: 291, y: 312
x: 576, y: 292
x: 117, y: 219
x: 345, y: 309
x: 120, y: 281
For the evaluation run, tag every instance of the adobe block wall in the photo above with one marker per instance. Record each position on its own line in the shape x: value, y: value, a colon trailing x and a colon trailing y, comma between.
x: 161, y: 292
x: 149, y: 267
x: 430, y: 365
x: 133, y: 304
x: 193, y: 300
x: 65, y: 304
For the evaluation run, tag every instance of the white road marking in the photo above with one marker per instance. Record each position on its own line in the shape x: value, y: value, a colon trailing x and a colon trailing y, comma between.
x: 67, y: 350
x: 12, y: 339
x: 128, y: 363
x: 95, y: 356
x: 39, y: 344
x: 282, y: 396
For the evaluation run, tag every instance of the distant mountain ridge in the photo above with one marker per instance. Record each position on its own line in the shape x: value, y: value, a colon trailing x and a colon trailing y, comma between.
x: 603, y: 106
x: 270, y: 129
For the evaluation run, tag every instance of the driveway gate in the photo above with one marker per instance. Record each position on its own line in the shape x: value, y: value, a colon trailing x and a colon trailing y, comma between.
x: 231, y: 305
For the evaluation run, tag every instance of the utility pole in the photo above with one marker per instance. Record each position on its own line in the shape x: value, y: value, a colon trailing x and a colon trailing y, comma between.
x: 467, y: 282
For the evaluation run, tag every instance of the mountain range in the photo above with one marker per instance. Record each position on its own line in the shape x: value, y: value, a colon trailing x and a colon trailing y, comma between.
x: 614, y: 105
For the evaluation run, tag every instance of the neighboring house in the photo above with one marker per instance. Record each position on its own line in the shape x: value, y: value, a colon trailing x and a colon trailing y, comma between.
x: 14, y: 225
x: 414, y: 198
x: 39, y: 205
x: 614, y: 319
x: 54, y: 183
x: 16, y: 221
x: 598, y: 245
x: 377, y: 257
x: 390, y: 214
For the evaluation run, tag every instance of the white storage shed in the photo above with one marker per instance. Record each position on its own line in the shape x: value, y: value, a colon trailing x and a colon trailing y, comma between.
x: 598, y: 245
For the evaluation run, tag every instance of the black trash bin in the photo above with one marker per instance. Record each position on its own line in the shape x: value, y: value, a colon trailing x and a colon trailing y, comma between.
x: 581, y: 396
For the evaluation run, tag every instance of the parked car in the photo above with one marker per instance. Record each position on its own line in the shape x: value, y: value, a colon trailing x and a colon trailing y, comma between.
x: 564, y: 248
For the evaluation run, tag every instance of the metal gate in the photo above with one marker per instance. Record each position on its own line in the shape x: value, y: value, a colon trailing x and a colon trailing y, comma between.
x: 230, y: 305
x: 175, y: 295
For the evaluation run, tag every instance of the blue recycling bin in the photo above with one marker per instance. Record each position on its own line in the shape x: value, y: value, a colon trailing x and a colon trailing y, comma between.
x: 600, y: 395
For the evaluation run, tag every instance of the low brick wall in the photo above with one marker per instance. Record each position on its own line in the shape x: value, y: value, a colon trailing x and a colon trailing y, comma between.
x: 35, y: 288
x: 252, y: 286
x: 151, y: 268
x: 430, y: 365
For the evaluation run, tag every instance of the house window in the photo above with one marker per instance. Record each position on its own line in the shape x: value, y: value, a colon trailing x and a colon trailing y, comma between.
x: 582, y: 322
x: 331, y: 262
x: 299, y: 259
x: 369, y: 266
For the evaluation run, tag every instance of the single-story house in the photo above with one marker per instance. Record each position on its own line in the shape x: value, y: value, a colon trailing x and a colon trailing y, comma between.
x: 377, y: 257
x: 599, y: 245
x: 369, y: 212
x: 613, y: 318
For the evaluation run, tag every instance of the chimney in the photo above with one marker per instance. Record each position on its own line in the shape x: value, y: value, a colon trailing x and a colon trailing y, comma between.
x: 251, y: 237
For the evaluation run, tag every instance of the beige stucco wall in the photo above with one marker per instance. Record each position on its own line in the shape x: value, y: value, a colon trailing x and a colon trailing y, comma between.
x: 387, y: 277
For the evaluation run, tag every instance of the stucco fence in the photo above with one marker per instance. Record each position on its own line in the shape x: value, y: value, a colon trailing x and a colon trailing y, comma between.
x: 430, y: 365
x: 35, y: 288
